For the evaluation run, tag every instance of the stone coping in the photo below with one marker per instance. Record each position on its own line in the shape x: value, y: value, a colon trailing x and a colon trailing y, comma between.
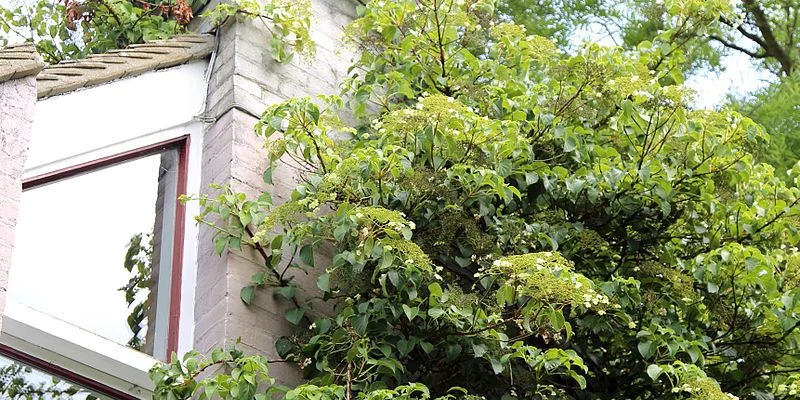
x: 116, y: 64
x: 19, y: 61
x: 51, y: 80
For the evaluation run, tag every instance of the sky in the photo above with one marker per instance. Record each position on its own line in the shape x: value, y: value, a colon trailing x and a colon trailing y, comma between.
x: 739, y: 77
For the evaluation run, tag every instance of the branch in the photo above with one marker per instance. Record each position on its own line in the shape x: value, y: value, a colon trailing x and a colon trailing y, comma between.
x: 730, y: 45
x: 770, y: 43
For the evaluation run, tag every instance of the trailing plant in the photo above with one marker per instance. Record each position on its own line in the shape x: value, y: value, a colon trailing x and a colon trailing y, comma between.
x: 77, y: 28
x: 510, y: 221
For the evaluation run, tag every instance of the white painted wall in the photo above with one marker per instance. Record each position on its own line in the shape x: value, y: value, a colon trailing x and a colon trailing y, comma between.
x: 103, y: 120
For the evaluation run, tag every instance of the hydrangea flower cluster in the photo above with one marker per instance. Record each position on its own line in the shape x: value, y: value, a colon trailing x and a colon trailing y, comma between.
x: 703, y: 389
x: 549, y: 278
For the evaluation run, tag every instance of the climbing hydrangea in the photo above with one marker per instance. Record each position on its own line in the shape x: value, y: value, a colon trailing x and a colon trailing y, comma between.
x: 549, y: 278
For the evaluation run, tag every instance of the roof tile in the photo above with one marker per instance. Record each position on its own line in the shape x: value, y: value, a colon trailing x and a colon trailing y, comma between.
x: 115, y: 64
x: 18, y: 62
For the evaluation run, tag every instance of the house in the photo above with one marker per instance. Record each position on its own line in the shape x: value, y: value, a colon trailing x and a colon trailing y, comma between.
x: 94, y: 155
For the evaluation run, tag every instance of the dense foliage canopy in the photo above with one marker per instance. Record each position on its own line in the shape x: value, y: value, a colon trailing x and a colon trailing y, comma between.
x: 510, y: 221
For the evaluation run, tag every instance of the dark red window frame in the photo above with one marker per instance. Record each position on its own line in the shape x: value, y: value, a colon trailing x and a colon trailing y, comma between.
x: 64, y: 373
x: 182, y: 145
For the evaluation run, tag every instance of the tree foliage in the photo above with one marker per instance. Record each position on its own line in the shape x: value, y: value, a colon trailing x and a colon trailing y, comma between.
x: 75, y: 28
x: 510, y: 221
x: 139, y: 263
x: 78, y: 28
x: 765, y: 30
x: 557, y: 20
x: 777, y: 108
x: 20, y: 382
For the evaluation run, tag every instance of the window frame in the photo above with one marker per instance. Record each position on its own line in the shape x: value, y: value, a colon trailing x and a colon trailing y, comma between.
x: 63, y: 373
x: 75, y: 354
x: 181, y: 144
x: 100, y: 124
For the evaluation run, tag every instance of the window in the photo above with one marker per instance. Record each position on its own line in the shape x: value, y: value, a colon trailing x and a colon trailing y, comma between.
x: 105, y: 166
x: 95, y: 247
x: 99, y: 252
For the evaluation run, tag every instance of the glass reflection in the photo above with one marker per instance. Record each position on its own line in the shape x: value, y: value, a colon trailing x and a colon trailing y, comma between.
x: 88, y: 250
x: 21, y: 382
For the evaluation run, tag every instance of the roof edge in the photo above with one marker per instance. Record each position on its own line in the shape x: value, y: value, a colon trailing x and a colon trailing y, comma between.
x: 135, y: 60
x: 19, y: 61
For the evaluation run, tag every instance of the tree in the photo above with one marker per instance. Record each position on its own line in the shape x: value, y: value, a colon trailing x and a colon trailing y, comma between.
x: 772, y: 30
x: 764, y: 30
x: 516, y: 222
x: 557, y: 19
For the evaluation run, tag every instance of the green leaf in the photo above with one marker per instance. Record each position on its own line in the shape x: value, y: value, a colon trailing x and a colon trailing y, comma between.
x: 435, y: 289
x: 259, y: 278
x: 307, y: 255
x: 247, y: 293
x: 426, y: 347
x: 411, y: 312
x: 340, y: 231
x: 294, y: 315
x: 220, y: 243
x: 435, y: 312
x: 647, y: 349
x: 497, y: 366
x: 654, y: 371
x: 217, y: 355
x: 284, y: 347
x: 286, y: 292
x: 323, y: 282
x: 479, y: 350
x: 268, y: 176
x: 360, y: 322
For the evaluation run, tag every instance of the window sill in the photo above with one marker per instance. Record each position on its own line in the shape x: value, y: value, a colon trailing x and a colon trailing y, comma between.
x: 70, y: 348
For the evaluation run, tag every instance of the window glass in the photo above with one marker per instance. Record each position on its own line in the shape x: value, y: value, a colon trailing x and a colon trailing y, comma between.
x: 19, y: 381
x: 89, y: 250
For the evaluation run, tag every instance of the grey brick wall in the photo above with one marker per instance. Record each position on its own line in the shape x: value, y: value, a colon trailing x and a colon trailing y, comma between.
x: 17, y: 102
x: 245, y: 81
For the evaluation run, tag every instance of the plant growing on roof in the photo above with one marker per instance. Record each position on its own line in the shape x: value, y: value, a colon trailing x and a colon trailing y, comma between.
x: 510, y: 221
x: 77, y: 28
